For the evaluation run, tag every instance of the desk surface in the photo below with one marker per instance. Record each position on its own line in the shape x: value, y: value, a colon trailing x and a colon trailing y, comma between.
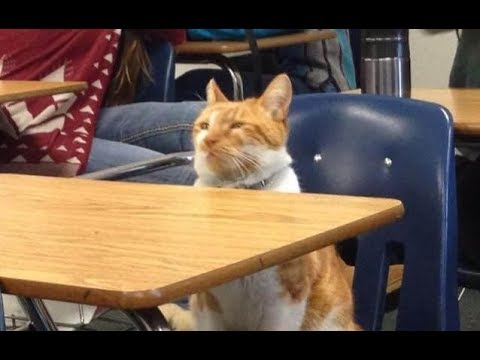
x: 128, y: 245
x: 463, y: 104
x: 20, y: 90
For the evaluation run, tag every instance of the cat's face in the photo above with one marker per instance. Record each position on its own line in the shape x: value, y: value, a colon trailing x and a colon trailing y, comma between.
x: 235, y: 139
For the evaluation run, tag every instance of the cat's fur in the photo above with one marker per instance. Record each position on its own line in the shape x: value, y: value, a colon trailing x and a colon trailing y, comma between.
x: 239, y: 145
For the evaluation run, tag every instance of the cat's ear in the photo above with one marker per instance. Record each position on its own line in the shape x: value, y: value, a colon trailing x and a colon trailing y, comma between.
x: 214, y: 94
x: 277, y: 97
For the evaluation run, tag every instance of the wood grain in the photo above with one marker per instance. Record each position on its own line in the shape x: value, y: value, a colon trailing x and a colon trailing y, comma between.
x: 463, y: 104
x: 130, y: 245
x: 395, y: 277
x: 226, y: 47
x: 19, y: 90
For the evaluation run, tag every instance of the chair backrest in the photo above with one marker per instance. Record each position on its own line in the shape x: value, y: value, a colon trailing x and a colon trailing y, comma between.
x: 388, y: 147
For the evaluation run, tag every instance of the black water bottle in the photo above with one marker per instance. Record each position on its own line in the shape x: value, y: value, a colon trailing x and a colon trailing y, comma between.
x: 385, y: 62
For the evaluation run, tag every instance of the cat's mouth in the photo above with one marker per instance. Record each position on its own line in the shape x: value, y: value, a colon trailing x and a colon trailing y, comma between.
x: 211, y: 154
x: 219, y: 161
x: 216, y: 154
x: 222, y: 158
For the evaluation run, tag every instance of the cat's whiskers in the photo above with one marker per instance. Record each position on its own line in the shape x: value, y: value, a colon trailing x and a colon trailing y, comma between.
x: 249, y: 158
x: 237, y: 158
x: 236, y: 162
x: 240, y: 167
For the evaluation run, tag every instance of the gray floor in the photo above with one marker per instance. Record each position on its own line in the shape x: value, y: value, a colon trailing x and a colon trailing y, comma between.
x: 470, y: 310
x: 469, y: 314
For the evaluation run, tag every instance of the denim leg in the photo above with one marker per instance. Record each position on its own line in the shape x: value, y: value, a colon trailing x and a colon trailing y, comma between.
x: 106, y: 154
x: 162, y: 127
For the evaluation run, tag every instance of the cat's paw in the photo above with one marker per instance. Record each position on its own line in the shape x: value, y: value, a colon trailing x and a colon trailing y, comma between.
x: 178, y: 318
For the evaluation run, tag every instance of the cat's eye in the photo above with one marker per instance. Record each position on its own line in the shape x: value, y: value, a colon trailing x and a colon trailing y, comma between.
x: 236, y: 125
x: 204, y: 125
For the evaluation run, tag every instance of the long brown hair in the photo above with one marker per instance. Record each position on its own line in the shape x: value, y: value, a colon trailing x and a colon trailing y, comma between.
x: 132, y: 62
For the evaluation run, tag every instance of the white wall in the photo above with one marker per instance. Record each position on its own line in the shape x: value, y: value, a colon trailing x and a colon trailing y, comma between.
x: 431, y: 55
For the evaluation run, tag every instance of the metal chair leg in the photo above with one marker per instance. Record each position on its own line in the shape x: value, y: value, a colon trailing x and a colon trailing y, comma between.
x: 40, y: 319
x: 224, y: 62
x: 148, y: 320
x: 38, y: 314
x: 2, y: 315
x: 232, y: 69
x: 27, y: 327
x: 141, y: 167
x: 256, y: 60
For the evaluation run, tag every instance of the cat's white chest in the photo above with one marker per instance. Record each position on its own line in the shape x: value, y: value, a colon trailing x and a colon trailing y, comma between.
x: 285, y: 181
x: 258, y: 302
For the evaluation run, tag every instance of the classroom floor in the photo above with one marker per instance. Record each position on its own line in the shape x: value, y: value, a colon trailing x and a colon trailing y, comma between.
x: 469, y: 312
x: 469, y: 317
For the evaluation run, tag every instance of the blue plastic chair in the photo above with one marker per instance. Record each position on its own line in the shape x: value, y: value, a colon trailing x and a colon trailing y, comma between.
x: 388, y: 147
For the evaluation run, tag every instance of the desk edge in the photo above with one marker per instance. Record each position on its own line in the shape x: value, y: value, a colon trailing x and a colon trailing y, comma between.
x: 149, y: 298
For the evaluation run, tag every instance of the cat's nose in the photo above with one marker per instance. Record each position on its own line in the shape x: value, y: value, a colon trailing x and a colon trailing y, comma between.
x: 210, y: 140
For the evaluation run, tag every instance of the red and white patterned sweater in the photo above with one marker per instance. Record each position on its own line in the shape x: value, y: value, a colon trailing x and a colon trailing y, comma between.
x: 52, y: 135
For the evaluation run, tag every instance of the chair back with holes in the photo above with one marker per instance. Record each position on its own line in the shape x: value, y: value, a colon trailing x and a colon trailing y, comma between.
x: 388, y: 147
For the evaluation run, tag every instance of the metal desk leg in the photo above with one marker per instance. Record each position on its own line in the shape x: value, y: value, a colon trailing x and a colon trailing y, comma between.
x: 148, y: 319
x: 38, y: 314
x: 2, y: 315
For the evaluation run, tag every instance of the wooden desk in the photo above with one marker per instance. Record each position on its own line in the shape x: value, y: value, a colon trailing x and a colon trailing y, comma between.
x: 227, y: 47
x: 20, y: 90
x: 463, y: 104
x: 130, y: 245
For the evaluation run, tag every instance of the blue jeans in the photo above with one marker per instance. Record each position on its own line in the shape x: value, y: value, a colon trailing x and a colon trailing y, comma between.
x: 141, y: 131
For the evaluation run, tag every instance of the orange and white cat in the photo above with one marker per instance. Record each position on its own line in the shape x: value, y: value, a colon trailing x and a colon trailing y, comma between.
x: 243, y: 145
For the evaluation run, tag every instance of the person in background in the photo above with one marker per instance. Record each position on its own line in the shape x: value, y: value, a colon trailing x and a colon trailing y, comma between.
x: 100, y: 127
x: 320, y: 66
x: 465, y: 71
x: 70, y: 134
x: 324, y: 66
